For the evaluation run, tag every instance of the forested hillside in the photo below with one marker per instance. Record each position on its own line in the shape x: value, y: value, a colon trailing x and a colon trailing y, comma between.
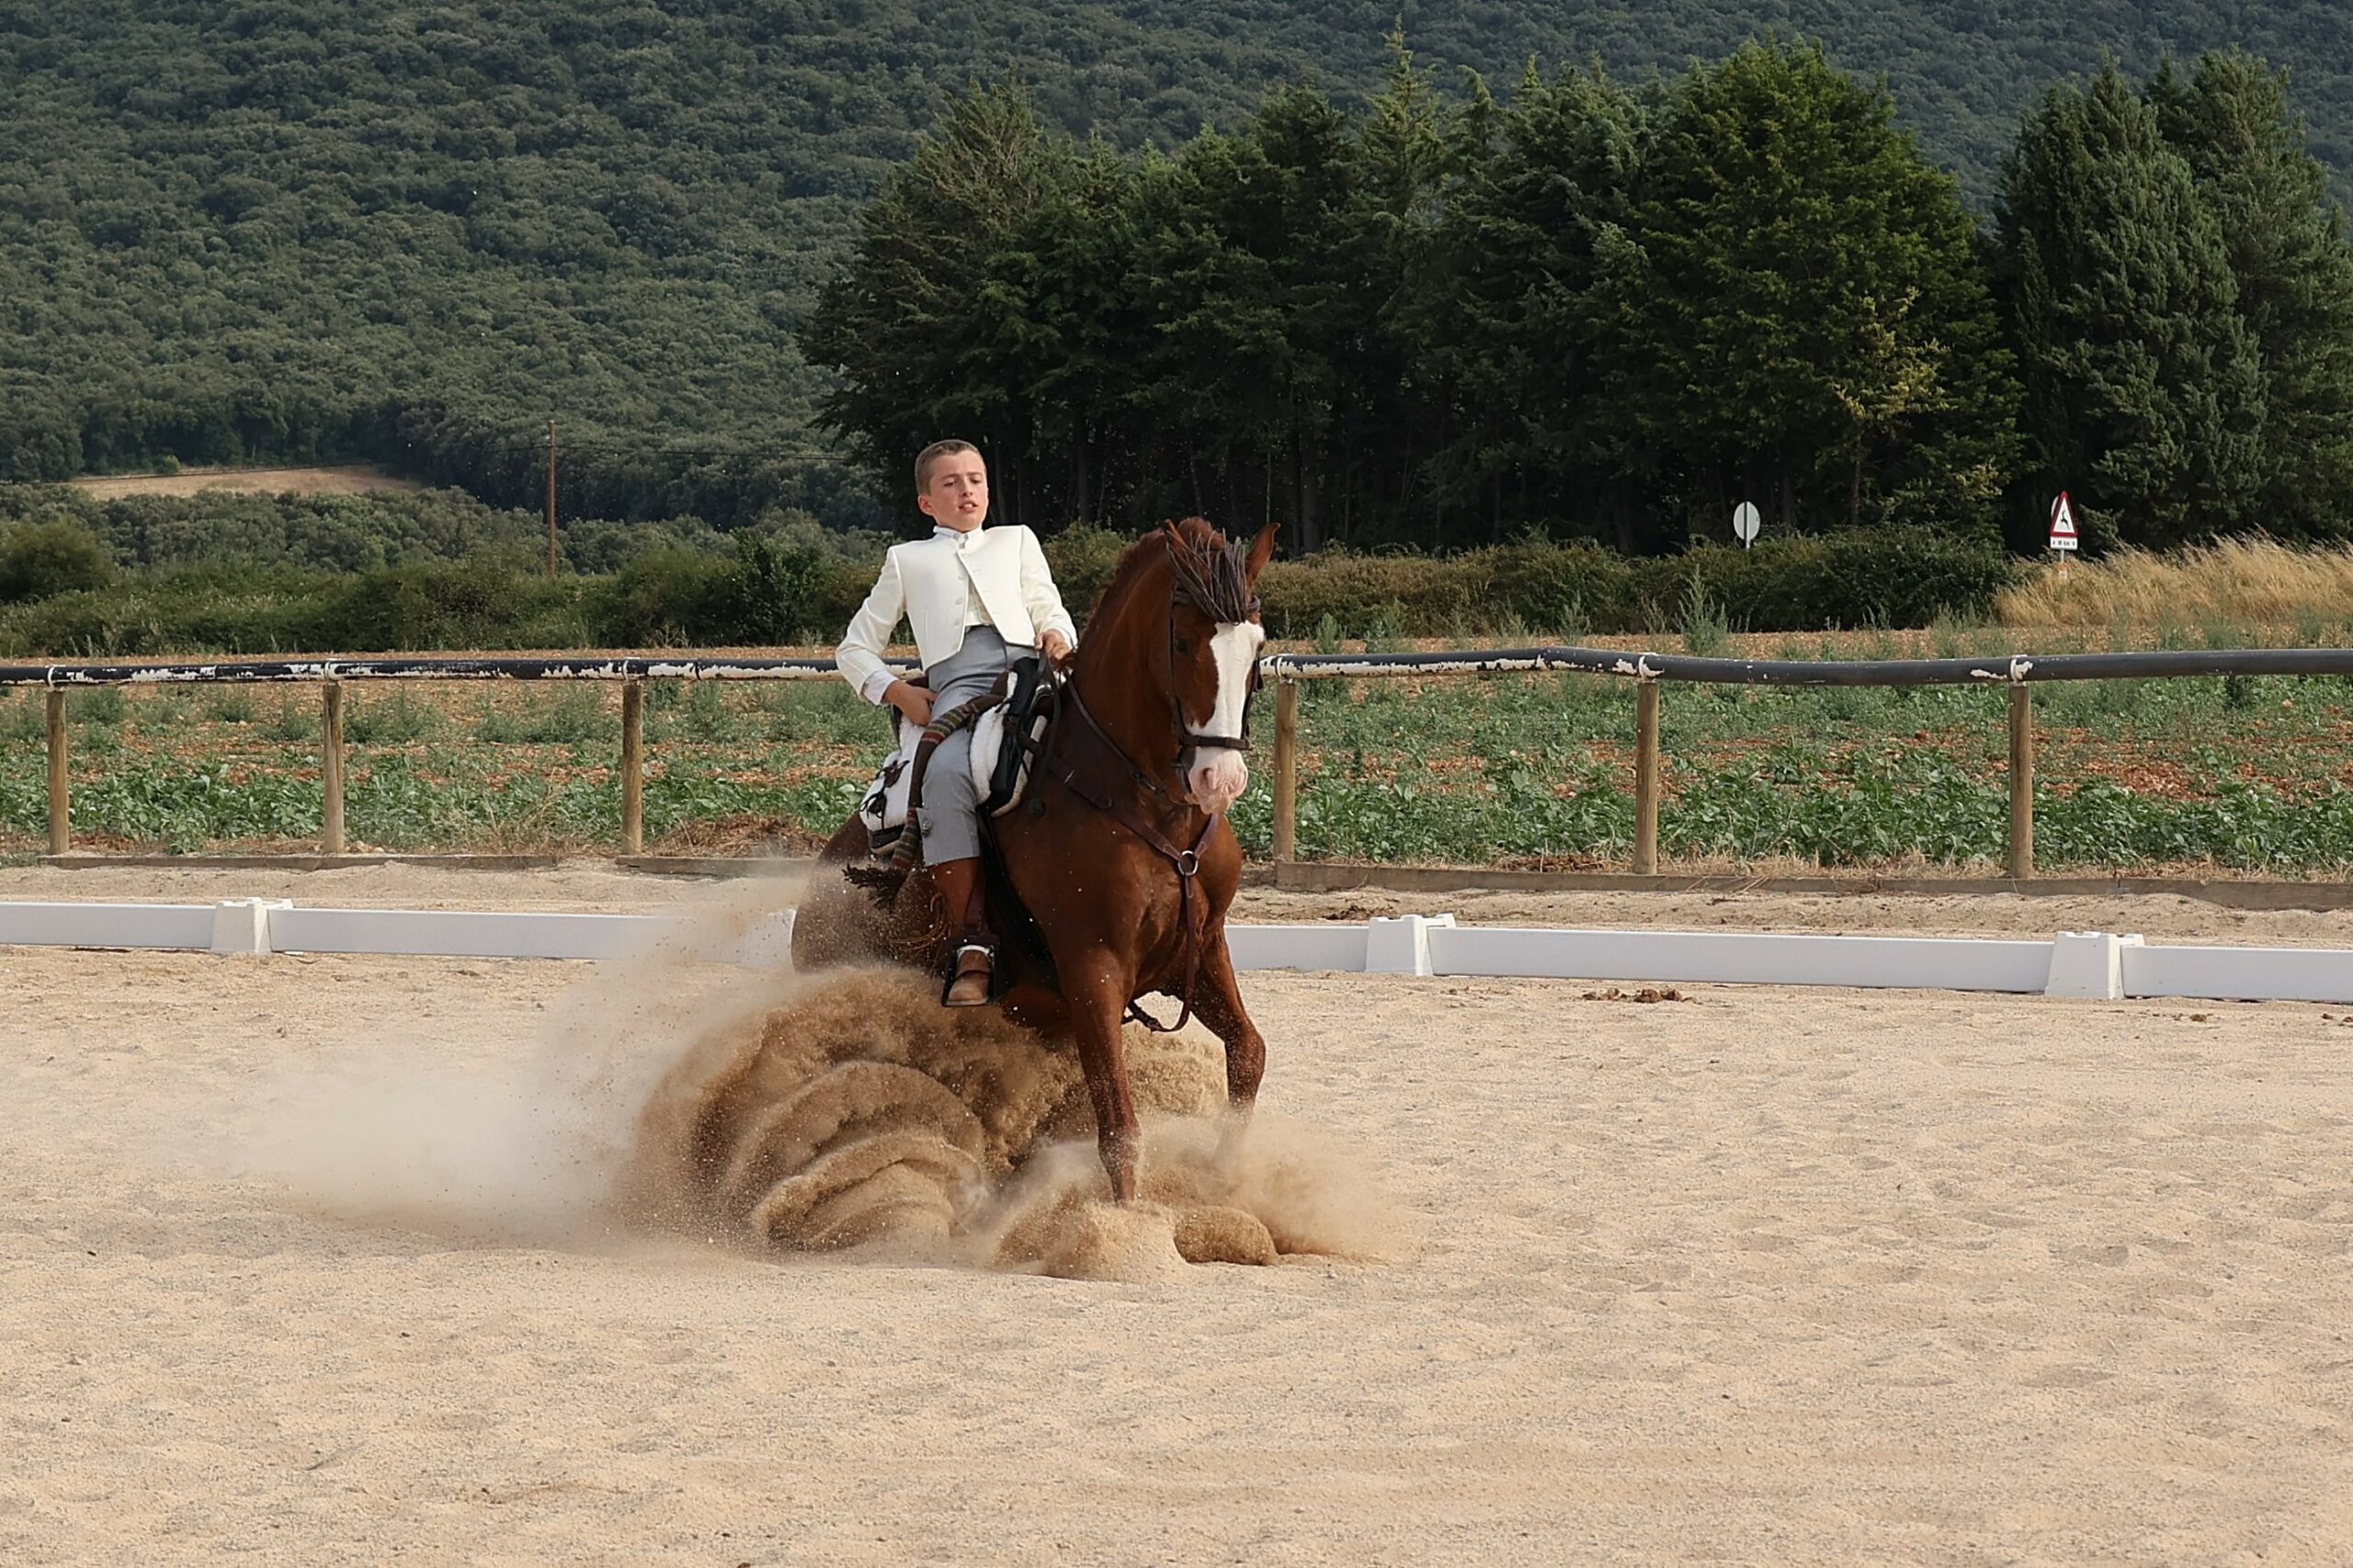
x: 275, y: 230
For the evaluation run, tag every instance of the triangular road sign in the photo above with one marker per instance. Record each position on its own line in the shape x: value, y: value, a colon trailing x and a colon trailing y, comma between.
x: 2063, y: 524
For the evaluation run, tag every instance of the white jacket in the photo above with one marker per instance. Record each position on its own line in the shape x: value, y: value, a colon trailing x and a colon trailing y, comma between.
x: 938, y: 583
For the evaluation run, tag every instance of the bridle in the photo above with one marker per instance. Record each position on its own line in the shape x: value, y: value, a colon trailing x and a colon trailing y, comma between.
x: 1217, y: 583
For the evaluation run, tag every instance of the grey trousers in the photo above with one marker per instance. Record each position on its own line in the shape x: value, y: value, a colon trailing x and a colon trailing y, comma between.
x: 951, y: 807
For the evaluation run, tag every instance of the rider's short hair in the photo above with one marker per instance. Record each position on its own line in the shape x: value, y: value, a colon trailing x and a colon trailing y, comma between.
x: 933, y: 453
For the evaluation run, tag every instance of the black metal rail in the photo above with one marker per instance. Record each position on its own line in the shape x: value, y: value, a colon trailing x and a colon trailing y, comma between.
x: 2005, y: 670
x: 2010, y: 669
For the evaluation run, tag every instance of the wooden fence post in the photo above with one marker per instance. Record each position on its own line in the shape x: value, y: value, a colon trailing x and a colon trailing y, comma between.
x: 1646, y: 778
x: 61, y: 832
x: 2021, y: 780
x: 1286, y: 770
x: 634, y: 766
x: 331, y: 840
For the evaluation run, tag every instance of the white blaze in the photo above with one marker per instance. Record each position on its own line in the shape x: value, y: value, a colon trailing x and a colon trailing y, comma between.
x: 1218, y: 776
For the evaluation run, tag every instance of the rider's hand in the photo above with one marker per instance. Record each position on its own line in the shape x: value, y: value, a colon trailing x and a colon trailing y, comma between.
x: 912, y: 701
x: 1056, y: 646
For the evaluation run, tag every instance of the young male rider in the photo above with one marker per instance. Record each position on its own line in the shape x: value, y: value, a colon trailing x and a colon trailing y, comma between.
x: 978, y: 599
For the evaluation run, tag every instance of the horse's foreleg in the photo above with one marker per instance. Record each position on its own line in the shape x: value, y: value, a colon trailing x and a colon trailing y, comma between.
x: 1218, y: 999
x: 1098, y: 1004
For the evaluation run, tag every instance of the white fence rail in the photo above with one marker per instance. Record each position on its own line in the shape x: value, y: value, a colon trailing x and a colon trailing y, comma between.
x: 2095, y: 964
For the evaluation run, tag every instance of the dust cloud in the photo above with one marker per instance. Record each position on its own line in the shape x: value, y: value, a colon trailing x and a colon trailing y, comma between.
x: 669, y: 1097
x: 856, y: 1113
x: 511, y: 1140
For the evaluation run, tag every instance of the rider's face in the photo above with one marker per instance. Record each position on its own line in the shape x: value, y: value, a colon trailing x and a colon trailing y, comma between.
x: 957, y: 491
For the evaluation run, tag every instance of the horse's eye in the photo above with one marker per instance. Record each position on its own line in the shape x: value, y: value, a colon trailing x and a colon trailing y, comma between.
x: 1184, y: 644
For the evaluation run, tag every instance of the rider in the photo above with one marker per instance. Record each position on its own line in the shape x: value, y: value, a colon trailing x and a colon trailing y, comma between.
x: 978, y: 599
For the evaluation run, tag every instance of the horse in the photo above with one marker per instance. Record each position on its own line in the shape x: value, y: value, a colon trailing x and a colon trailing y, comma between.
x: 1112, y: 878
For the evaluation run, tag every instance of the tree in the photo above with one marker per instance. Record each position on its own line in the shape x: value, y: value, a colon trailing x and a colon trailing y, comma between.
x: 1792, y: 291
x: 1510, y: 320
x: 927, y: 323
x: 2292, y: 265
x: 2143, y: 386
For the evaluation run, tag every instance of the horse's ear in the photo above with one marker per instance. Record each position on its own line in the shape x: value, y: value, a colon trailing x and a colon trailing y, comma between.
x: 1262, y: 550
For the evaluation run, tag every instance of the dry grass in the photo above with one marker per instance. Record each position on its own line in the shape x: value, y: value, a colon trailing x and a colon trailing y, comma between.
x: 348, y: 480
x: 2240, y: 582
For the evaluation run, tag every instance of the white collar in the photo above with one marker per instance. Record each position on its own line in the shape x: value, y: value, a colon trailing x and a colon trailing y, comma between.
x: 956, y: 535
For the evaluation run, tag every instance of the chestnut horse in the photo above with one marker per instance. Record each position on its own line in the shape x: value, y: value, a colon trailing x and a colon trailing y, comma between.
x: 1112, y: 878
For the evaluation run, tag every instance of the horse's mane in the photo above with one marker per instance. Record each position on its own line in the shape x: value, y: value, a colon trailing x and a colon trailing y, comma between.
x: 1210, y: 572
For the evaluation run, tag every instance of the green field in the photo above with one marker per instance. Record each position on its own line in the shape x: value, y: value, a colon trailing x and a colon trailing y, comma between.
x: 2250, y: 774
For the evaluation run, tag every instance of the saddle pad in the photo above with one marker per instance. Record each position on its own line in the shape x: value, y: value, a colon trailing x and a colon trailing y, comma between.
x: 883, y: 807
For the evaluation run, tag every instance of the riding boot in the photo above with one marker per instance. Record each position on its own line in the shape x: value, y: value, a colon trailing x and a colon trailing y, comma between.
x: 971, y: 959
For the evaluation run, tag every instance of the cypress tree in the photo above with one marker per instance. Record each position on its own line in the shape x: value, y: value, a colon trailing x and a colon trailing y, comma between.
x: 921, y: 323
x: 1250, y: 292
x: 2143, y: 386
x: 1531, y: 189
x: 1403, y: 412
x: 2290, y: 257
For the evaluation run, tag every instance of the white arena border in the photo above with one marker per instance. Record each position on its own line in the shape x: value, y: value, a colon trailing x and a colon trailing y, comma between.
x: 2091, y: 963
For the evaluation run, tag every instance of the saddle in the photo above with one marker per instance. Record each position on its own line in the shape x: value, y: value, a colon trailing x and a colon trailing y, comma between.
x: 1008, y: 727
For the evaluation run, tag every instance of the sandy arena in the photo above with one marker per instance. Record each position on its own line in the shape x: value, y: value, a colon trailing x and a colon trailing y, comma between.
x: 311, y: 1260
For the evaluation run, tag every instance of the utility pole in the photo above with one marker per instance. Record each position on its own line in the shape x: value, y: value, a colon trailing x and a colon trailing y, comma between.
x: 551, y: 497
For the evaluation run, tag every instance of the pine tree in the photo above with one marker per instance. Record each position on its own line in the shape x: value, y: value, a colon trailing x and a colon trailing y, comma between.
x: 1531, y: 188
x: 2143, y: 386
x: 2290, y: 257
x: 923, y: 326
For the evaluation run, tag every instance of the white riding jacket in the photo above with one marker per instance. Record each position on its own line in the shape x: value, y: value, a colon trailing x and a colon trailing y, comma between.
x: 944, y: 584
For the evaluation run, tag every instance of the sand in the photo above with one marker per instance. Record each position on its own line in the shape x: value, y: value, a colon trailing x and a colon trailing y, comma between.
x: 303, y: 1261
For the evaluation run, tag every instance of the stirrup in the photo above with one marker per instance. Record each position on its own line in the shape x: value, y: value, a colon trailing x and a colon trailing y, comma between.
x: 986, y: 947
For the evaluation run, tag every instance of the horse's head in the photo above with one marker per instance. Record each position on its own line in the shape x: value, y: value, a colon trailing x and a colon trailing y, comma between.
x: 1214, y: 635
x: 1180, y: 613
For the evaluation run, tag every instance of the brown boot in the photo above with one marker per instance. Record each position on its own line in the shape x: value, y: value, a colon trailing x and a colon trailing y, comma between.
x: 971, y: 960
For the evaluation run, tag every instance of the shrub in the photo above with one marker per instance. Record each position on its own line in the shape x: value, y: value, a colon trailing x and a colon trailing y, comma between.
x: 771, y: 586
x: 1083, y: 559
x: 40, y: 561
x: 650, y: 601
x: 766, y: 595
x: 1886, y: 576
x: 1812, y: 583
x: 476, y: 604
